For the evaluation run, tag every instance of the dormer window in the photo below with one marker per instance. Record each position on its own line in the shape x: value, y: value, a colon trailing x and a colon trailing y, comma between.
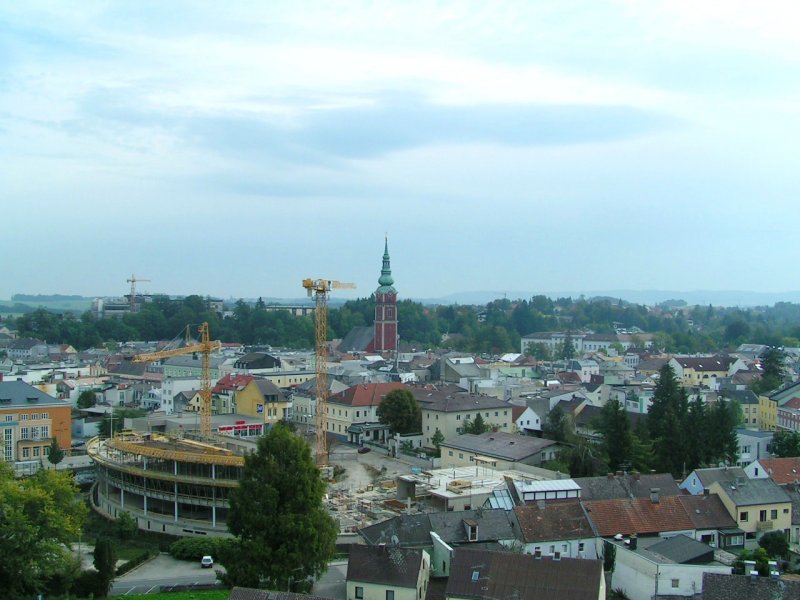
x: 471, y: 530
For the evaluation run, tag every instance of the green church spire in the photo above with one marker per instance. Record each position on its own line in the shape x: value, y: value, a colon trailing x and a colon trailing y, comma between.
x: 386, y: 280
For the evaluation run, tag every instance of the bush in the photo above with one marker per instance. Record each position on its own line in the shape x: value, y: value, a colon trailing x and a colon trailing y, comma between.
x: 89, y: 584
x: 135, y: 561
x: 195, y: 548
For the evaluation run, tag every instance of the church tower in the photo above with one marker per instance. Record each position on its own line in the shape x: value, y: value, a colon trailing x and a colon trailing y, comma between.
x: 385, y: 339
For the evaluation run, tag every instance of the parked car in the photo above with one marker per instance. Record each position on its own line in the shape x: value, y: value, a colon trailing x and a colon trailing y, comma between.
x: 363, y: 449
x: 206, y: 562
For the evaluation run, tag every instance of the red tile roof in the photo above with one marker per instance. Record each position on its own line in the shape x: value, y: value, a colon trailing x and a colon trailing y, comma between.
x: 516, y: 411
x: 782, y: 470
x: 365, y: 394
x: 638, y: 515
x: 231, y: 381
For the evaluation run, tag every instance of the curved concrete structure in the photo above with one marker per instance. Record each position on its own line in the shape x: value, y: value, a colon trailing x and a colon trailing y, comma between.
x: 180, y: 487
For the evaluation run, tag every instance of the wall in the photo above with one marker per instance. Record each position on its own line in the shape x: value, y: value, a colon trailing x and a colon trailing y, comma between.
x: 636, y: 576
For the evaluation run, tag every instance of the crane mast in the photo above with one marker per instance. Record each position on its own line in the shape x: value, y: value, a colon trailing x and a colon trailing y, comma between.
x: 205, y: 347
x: 320, y: 289
x: 132, y: 280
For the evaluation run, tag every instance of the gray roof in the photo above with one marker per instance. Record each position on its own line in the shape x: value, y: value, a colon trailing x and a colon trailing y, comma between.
x: 456, y: 402
x: 19, y: 393
x: 506, y: 446
x: 740, y: 587
x: 415, y: 530
x: 750, y: 492
x: 606, y: 487
x: 709, y: 476
x: 482, y: 574
x: 742, y: 396
x: 242, y: 593
x: 191, y: 361
x: 357, y: 339
x: 384, y: 565
x: 682, y: 549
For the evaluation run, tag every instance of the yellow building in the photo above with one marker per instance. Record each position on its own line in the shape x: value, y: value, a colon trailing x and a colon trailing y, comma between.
x: 757, y: 505
x: 767, y: 414
x: 264, y: 400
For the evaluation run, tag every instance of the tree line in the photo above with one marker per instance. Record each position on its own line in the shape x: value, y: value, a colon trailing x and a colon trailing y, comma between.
x: 494, y: 328
x: 676, y: 436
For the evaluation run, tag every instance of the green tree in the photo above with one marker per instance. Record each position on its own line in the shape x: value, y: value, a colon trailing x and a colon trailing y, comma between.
x: 400, y: 411
x: 786, y: 444
x: 568, y: 351
x: 284, y: 537
x: 667, y: 421
x: 126, y: 525
x: 39, y: 517
x: 557, y: 425
x: 87, y: 399
x: 437, y: 439
x: 56, y: 454
x: 772, y: 371
x: 776, y: 544
x: 721, y: 442
x: 615, y: 427
x: 476, y: 426
x: 105, y: 561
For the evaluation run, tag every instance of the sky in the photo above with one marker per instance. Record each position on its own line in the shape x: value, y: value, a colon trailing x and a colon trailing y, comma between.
x: 234, y: 149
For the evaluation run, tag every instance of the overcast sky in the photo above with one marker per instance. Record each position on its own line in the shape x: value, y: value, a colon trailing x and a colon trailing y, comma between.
x: 235, y: 148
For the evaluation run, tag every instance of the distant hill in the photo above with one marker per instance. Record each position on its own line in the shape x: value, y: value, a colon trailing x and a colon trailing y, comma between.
x: 647, y: 297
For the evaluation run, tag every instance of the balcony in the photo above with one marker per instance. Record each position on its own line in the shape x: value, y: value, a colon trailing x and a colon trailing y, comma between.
x: 765, y: 525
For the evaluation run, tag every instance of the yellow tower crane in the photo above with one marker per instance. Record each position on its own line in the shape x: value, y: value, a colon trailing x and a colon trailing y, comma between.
x: 204, y: 347
x: 132, y: 280
x: 319, y: 289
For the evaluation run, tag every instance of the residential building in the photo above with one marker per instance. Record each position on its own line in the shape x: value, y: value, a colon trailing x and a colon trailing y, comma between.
x: 788, y: 415
x: 263, y: 399
x: 654, y: 516
x: 26, y: 349
x: 712, y: 523
x: 357, y: 406
x: 29, y: 420
x: 387, y: 573
x: 700, y: 480
x: 192, y: 366
x: 757, y: 505
x: 559, y: 527
x: 705, y: 370
x: 648, y: 569
x: 783, y: 471
x: 497, y: 450
x: 478, y: 574
x: 449, y: 409
x: 767, y: 413
x: 753, y: 445
x: 527, y: 421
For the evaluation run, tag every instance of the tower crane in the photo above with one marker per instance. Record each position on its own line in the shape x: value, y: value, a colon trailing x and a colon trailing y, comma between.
x: 204, y: 347
x: 132, y: 280
x: 319, y: 289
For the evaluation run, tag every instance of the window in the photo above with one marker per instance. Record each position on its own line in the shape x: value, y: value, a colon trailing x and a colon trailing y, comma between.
x: 9, y: 418
x: 461, y: 455
x: 762, y: 515
x: 773, y: 514
x: 44, y: 416
x: 23, y: 433
x: 449, y: 453
x: 26, y: 453
x: 359, y: 591
x: 496, y: 413
x: 36, y: 451
x: 458, y: 417
x: 45, y: 431
x: 580, y: 546
x: 389, y: 594
x: 676, y: 583
x: 743, y: 516
x: 552, y: 549
x: 23, y: 417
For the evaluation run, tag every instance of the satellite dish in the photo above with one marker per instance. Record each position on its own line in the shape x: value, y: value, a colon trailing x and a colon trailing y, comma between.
x: 395, y: 541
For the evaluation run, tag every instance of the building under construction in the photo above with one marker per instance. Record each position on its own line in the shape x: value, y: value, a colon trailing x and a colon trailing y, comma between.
x: 175, y: 486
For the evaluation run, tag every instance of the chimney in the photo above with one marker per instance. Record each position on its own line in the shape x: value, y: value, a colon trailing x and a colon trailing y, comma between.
x: 634, y: 541
x: 654, y: 495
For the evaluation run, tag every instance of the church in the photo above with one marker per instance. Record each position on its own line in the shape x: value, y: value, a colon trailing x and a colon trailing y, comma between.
x: 381, y: 338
